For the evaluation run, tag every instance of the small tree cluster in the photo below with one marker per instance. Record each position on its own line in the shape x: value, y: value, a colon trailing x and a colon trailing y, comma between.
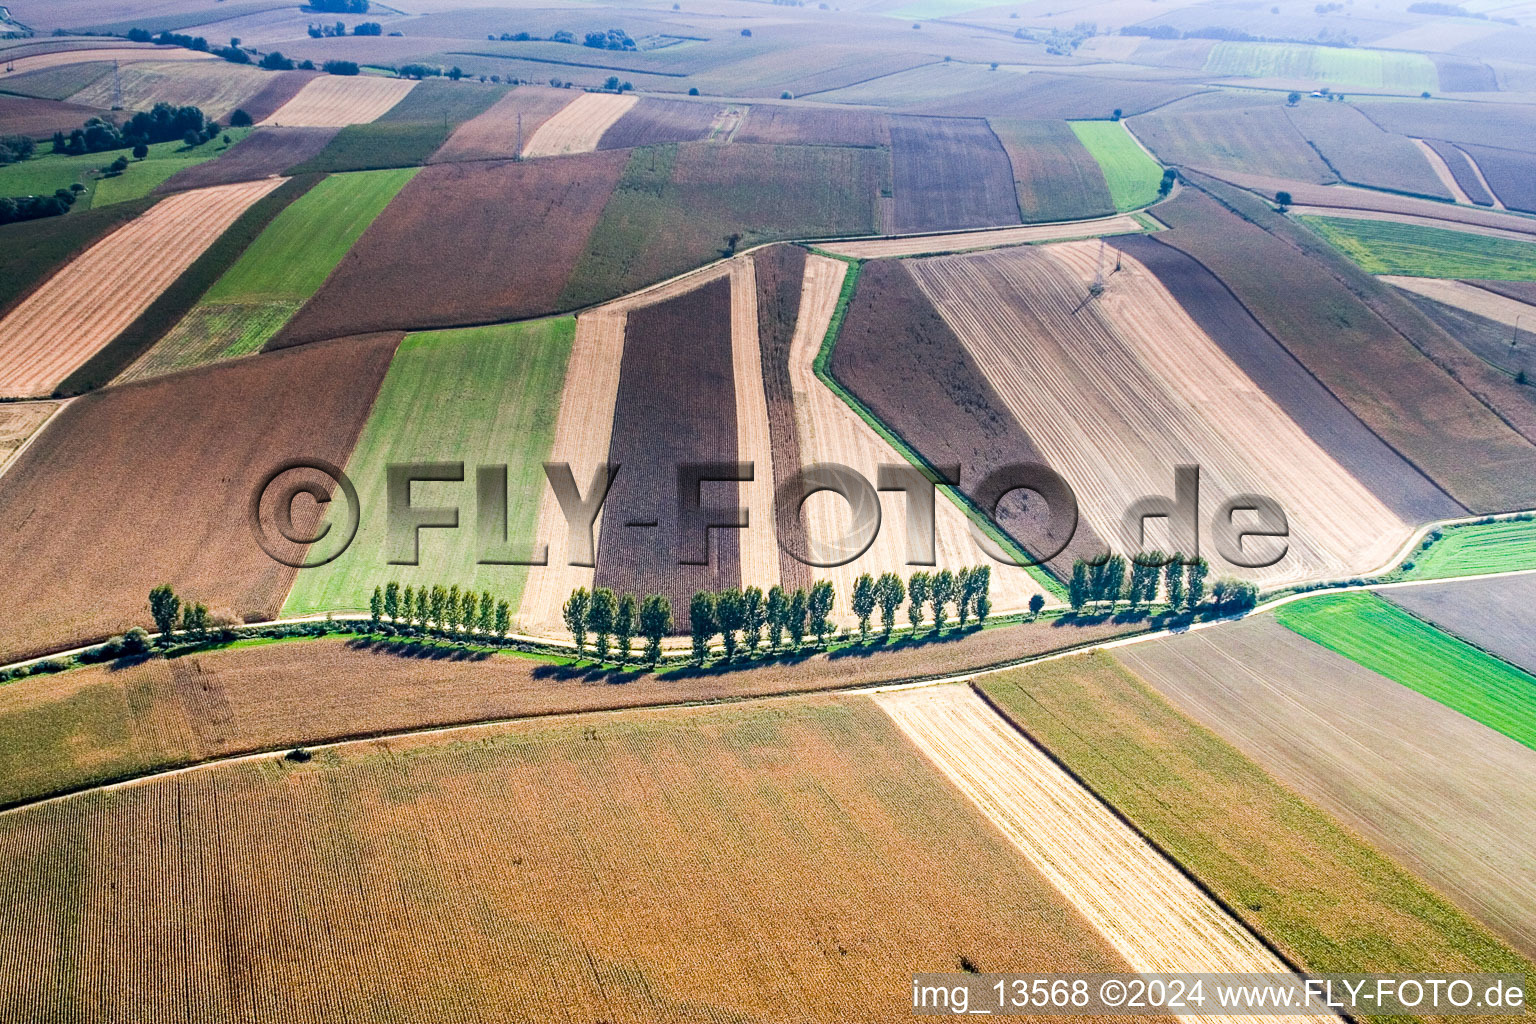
x: 614, y: 621
x: 969, y: 590
x: 173, y: 615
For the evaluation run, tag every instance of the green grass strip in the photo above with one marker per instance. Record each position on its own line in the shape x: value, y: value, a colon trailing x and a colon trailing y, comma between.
x: 1507, y: 545
x: 822, y: 368
x: 1387, y: 247
x: 1387, y: 640
x: 47, y: 172
x: 1132, y: 175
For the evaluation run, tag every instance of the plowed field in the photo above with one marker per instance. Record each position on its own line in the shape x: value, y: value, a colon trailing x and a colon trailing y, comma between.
x: 333, y: 101
x: 495, y: 133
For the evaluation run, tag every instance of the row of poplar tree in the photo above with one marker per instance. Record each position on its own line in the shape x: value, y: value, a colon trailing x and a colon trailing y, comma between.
x: 1140, y: 581
x: 447, y: 609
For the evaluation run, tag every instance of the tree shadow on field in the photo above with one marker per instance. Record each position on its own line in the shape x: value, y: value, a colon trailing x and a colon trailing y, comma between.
x: 418, y: 650
x: 739, y: 664
x: 907, y: 642
x: 589, y: 673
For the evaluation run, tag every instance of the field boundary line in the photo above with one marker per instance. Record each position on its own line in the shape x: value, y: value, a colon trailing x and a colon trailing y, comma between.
x: 17, y: 454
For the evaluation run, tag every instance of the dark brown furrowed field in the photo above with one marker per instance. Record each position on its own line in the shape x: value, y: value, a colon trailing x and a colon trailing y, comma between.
x: 949, y: 173
x: 1511, y: 175
x: 653, y: 121
x: 1398, y: 392
x: 1054, y: 176
x: 109, y: 722
x: 899, y: 357
x: 780, y: 271
x: 285, y: 85
x: 1338, y: 431
x: 464, y: 244
x: 261, y: 154
x: 38, y: 118
x: 1520, y: 291
x: 1252, y: 139
x: 814, y: 126
x: 493, y: 134
x: 1461, y: 169
x: 1362, y: 153
x: 149, y: 484
x: 676, y: 404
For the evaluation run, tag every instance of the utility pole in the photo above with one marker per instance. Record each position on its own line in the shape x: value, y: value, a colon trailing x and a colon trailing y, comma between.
x: 117, y: 87
x: 519, y: 135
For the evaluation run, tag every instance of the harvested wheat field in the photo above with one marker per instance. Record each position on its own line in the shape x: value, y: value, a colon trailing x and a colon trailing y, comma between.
x: 121, y: 54
x: 1154, y: 916
x: 151, y: 483
x: 684, y: 865
x: 759, y: 542
x: 19, y: 422
x: 965, y: 241
x: 84, y: 306
x: 1469, y: 297
x: 496, y: 132
x: 1118, y: 391
x: 828, y: 430
x: 334, y: 101
x: 579, y: 125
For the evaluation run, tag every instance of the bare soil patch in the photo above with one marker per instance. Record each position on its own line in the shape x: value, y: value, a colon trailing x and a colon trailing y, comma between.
x: 652, y: 121
x: 949, y: 173
x: 40, y: 118
x: 260, y: 154
x: 1462, y: 171
x: 494, y: 134
x: 1511, y: 175
x: 1492, y: 614
x: 814, y: 126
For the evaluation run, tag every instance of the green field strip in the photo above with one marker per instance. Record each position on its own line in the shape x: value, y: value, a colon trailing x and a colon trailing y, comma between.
x: 1331, y: 65
x: 1388, y: 247
x: 1507, y: 545
x: 277, y: 274
x: 1371, y: 632
x: 821, y: 366
x: 481, y: 396
x: 1132, y: 175
x: 48, y: 172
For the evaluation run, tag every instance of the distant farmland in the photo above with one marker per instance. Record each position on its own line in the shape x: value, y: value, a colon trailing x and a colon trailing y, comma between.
x: 485, y: 395
x: 1132, y: 176
x: 1376, y: 634
x: 1362, y: 153
x: 949, y: 173
x: 1055, y: 177
x: 1339, y: 66
x: 593, y: 856
x: 1387, y: 247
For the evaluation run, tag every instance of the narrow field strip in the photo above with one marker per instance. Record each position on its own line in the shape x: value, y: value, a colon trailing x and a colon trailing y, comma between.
x: 122, y: 54
x: 1443, y: 172
x: 964, y: 241
x: 334, y: 101
x: 1375, y: 633
x: 759, y: 547
x: 1153, y: 915
x: 1389, y: 247
x: 1468, y: 297
x: 1474, y: 549
x: 579, y: 126
x: 84, y: 306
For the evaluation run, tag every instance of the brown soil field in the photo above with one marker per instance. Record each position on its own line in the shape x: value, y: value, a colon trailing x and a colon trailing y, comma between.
x: 1486, y: 338
x: 1054, y: 175
x: 261, y: 154
x: 1463, y: 171
x: 1459, y: 74
x: 1117, y: 391
x: 216, y: 87
x: 1446, y: 796
x: 965, y: 241
x: 949, y: 173
x: 1338, y: 431
x: 121, y: 54
x: 814, y: 126
x: 185, y: 454
x: 1520, y: 291
x: 1443, y: 171
x: 1483, y: 124
x: 652, y: 121
x: 493, y: 134
x: 1041, y: 94
x: 82, y: 307
x: 1511, y: 175
x: 333, y: 101
x: 39, y: 119
x: 1259, y: 140
x: 1362, y: 153
x: 759, y: 543
x: 19, y: 421
x: 284, y: 86
x: 111, y: 722
x: 1151, y: 913
x: 579, y: 125
x: 1492, y: 614
x: 528, y: 219
x: 778, y: 862
x: 675, y: 405
x: 899, y: 357
x: 829, y: 431
x: 1472, y: 298
x: 780, y: 270
x: 1404, y: 398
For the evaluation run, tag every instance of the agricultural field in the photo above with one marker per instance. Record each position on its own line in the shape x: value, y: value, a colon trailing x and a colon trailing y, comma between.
x: 1251, y: 140
x: 579, y: 126
x: 1492, y: 615
x: 1463, y: 171
x: 214, y: 86
x: 1054, y: 176
x: 747, y: 832
x: 1374, y: 633
x: 35, y: 250
x: 986, y: 238
x: 483, y: 395
x: 1506, y: 545
x: 1362, y: 154
x: 332, y: 102
x: 376, y: 146
x: 1410, y: 73
x: 1322, y: 895
x: 781, y: 124
x: 651, y: 122
x: 90, y: 546
x: 276, y: 275
x: 1132, y: 175
x: 1496, y: 124
x: 83, y: 307
x: 948, y: 173
x: 1508, y: 174
x: 259, y: 154
x: 1387, y: 247
x: 677, y: 207
x: 530, y: 220
x: 495, y: 133
x: 44, y: 174
x: 19, y: 421
x: 39, y: 118
x: 1363, y: 749
x: 1484, y: 322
